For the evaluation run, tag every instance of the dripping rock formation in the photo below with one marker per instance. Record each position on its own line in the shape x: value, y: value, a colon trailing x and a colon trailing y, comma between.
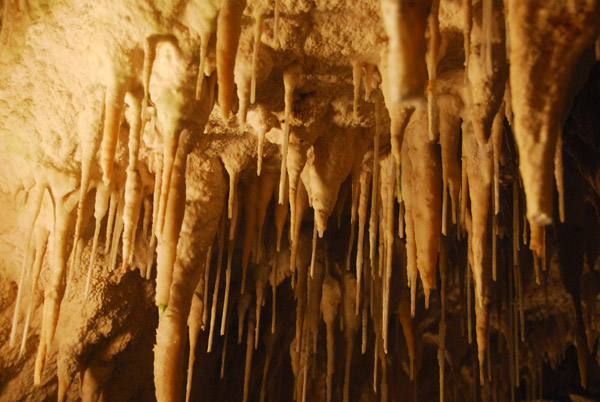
x: 299, y: 200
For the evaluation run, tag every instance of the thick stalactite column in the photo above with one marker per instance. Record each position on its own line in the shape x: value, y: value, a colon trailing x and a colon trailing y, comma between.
x: 203, y: 208
x: 542, y: 61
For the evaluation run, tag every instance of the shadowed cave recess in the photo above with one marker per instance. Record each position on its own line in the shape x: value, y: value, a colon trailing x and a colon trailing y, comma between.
x: 299, y: 200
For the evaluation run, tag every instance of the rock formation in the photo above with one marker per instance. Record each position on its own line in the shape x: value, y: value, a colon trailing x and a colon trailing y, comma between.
x: 399, y: 199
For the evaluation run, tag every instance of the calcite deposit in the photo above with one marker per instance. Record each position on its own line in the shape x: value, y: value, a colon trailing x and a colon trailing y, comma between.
x: 309, y: 200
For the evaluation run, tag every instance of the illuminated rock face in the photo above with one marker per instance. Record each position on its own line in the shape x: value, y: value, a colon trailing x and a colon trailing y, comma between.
x: 369, y: 185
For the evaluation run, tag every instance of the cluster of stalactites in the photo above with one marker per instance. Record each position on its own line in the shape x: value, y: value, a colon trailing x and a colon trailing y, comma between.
x: 412, y: 173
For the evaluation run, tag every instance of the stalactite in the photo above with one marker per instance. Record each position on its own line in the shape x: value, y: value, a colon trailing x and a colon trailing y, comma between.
x: 118, y: 230
x: 205, y: 198
x: 373, y: 219
x: 133, y: 184
x: 174, y: 211
x: 375, y: 364
x: 544, y: 261
x: 262, y: 121
x: 525, y: 236
x: 101, y: 204
x: 329, y: 307
x: 194, y: 323
x: 313, y: 252
x: 411, y: 250
x: 243, y: 74
x: 261, y: 277
x: 301, y: 296
x: 301, y: 205
x: 112, y: 211
x: 449, y: 115
x: 230, y: 248
x: 215, y: 298
x: 399, y: 118
x: 464, y: 192
x: 351, y: 324
x: 158, y: 162
x: 486, y: 75
x: 388, y: 187
x: 233, y: 182
x: 364, y: 179
x: 228, y: 35
x: 422, y: 197
x: 291, y: 79
x: 537, y: 122
x: 481, y: 329
x: 205, y: 291
x: 114, y: 103
x: 536, y: 268
x: 171, y: 116
x: 314, y: 301
x: 401, y: 212
x: 147, y: 217
x: 558, y: 176
x: 41, y: 243
x: 281, y: 213
x: 536, y: 239
x: 479, y: 173
x: 328, y: 167
x: 64, y: 202
x: 224, y: 351
x: 365, y: 318
x: 497, y: 137
x: 250, y: 204
x: 149, y: 57
x: 515, y: 223
x: 296, y: 161
x: 89, y: 125
x: 309, y: 301
x: 469, y: 298
x: 302, y: 347
x: 355, y: 190
x: 35, y: 198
